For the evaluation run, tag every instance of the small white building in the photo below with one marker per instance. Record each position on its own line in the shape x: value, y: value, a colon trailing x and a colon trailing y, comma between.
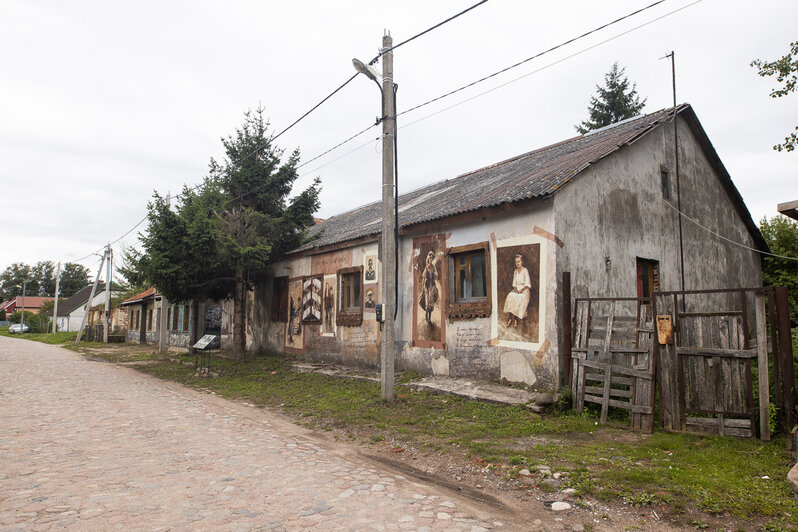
x: 71, y: 311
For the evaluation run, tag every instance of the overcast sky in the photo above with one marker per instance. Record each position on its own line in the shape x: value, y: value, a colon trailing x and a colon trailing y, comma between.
x: 104, y: 102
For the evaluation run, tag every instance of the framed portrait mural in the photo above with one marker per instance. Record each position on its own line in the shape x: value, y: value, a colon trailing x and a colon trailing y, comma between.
x: 370, y: 269
x: 520, y: 269
x: 294, y: 330
x: 429, y: 324
x: 312, y: 299
x: 328, y: 306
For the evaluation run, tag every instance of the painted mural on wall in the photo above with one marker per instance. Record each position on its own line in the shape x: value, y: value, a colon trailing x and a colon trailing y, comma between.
x: 213, y: 319
x: 329, y: 306
x: 311, y: 299
x: 370, y: 274
x: 428, y: 320
x: 294, y: 331
x: 518, y: 279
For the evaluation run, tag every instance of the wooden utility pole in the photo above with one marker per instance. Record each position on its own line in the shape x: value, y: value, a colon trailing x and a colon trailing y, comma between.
x: 388, y: 348
x: 107, y: 312
x: 55, y: 302
x: 91, y: 296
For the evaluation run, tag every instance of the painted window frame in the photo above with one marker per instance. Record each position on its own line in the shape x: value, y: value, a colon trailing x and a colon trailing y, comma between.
x: 459, y: 309
x: 279, y: 311
x: 353, y: 315
x: 665, y: 182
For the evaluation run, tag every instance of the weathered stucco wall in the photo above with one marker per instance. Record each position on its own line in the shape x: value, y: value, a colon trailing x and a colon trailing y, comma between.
x: 616, y: 210
x: 463, y: 347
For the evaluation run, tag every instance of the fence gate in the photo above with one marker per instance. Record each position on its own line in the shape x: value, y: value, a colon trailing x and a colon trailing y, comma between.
x: 611, y: 358
x: 707, y: 346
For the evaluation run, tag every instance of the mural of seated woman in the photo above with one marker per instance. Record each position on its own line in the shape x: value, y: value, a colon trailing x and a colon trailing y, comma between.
x: 517, y: 301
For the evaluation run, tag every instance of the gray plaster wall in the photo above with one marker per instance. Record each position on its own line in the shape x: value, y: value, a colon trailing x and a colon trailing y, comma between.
x: 470, y: 348
x: 616, y: 209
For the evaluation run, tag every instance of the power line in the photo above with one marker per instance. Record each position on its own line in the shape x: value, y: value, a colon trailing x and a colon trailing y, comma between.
x: 438, y: 25
x: 382, y: 52
x: 569, y: 41
x: 605, y: 41
x: 729, y: 240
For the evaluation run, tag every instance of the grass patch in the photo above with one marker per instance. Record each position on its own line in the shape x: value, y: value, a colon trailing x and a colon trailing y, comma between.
x: 675, y: 471
x: 47, y: 338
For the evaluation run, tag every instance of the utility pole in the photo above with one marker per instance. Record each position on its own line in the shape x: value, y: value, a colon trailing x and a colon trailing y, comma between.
x: 91, y: 296
x: 22, y: 316
x: 55, y: 302
x: 107, y: 313
x: 388, y: 348
x: 672, y: 57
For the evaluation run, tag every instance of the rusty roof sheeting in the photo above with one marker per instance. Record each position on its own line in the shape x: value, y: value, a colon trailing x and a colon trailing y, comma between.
x: 536, y: 174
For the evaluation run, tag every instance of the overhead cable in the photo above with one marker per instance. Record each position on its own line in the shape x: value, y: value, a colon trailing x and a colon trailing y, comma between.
x: 528, y: 59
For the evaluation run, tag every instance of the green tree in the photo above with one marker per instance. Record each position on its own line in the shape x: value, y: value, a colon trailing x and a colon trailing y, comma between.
x: 786, y: 71
x: 222, y: 236
x: 42, y: 281
x: 11, y: 280
x: 614, y: 102
x: 129, y: 268
x: 781, y: 235
x: 73, y: 277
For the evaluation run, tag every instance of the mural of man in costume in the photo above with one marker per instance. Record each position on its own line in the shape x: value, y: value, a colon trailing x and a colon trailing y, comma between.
x: 329, y: 301
x: 517, y: 301
x: 429, y: 289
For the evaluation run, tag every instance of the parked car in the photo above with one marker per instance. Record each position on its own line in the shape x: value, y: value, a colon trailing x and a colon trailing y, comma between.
x: 18, y: 328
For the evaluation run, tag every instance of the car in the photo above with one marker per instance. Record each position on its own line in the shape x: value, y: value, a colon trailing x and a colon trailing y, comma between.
x: 18, y: 328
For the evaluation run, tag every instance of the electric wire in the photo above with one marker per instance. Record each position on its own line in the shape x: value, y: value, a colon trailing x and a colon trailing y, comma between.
x: 587, y: 49
x: 727, y: 239
x: 417, y: 35
x: 382, y: 52
x: 569, y: 41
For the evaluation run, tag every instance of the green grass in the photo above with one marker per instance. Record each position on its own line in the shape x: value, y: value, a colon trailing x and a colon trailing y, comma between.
x: 47, y: 338
x: 677, y: 471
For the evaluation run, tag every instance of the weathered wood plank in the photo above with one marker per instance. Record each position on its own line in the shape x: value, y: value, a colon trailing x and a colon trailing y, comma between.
x: 616, y: 369
x: 621, y: 404
x: 713, y: 352
x: 762, y: 360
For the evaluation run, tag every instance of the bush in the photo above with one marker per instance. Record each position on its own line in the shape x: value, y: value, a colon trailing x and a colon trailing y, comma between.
x: 16, y: 316
x: 38, y: 323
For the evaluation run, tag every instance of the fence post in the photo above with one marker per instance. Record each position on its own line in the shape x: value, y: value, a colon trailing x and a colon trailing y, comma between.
x: 566, y: 326
x: 785, y: 347
x: 762, y: 359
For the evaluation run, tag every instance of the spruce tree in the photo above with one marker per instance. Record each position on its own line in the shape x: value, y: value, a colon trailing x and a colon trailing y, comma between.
x: 614, y: 102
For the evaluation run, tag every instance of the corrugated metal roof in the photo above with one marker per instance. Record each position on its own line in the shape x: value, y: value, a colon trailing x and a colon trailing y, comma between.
x: 535, y: 174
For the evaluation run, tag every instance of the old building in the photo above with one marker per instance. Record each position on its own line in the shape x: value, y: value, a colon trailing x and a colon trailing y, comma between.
x: 141, y: 314
x: 481, y: 256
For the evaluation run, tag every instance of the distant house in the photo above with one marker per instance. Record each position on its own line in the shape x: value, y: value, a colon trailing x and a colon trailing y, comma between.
x: 143, y: 320
x: 482, y: 255
x: 71, y: 311
x: 32, y: 304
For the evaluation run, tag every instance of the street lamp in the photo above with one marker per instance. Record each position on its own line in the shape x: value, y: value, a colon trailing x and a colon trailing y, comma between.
x: 388, y: 237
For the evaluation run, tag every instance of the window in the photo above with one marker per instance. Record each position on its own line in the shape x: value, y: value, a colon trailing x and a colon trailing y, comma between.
x: 280, y: 299
x: 173, y: 317
x: 149, y: 319
x: 185, y: 317
x: 350, y: 301
x: 647, y: 278
x: 665, y: 181
x: 469, y: 293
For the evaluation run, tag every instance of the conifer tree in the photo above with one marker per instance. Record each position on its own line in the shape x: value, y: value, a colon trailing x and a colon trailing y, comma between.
x: 614, y: 102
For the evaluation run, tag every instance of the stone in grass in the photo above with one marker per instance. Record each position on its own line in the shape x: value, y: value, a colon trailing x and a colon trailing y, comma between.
x: 524, y: 473
x: 560, y: 506
x: 544, y: 399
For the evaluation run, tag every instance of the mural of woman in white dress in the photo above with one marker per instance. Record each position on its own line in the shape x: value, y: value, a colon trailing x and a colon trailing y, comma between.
x: 517, y: 301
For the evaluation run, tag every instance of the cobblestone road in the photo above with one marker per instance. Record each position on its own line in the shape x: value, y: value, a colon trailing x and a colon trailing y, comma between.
x: 94, y: 446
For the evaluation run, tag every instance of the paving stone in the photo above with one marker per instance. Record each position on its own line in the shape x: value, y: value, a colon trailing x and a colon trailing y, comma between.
x: 98, y: 446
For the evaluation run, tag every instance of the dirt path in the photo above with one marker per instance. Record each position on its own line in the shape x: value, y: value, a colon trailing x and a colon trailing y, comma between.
x: 94, y: 446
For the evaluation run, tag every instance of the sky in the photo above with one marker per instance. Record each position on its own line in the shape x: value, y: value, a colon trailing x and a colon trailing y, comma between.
x: 102, y: 103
